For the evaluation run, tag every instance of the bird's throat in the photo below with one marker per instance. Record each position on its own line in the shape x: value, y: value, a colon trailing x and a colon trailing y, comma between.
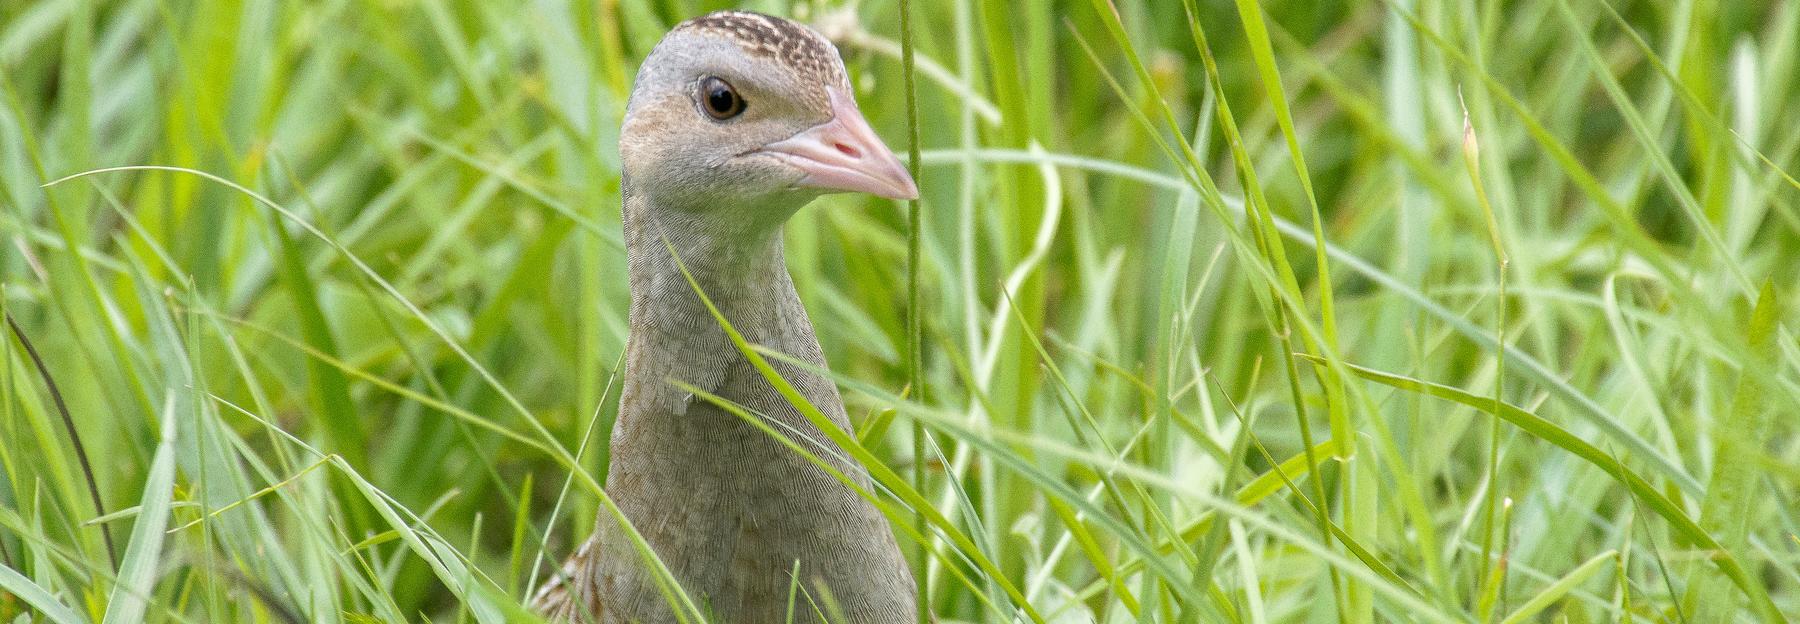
x: 679, y: 352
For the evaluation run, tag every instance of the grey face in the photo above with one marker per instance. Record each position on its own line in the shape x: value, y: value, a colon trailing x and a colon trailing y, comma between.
x: 795, y: 134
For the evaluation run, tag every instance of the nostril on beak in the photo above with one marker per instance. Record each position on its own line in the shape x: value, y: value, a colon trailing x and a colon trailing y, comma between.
x: 847, y: 150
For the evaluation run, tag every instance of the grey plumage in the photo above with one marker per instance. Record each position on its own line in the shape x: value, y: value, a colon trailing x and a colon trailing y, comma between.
x: 727, y: 508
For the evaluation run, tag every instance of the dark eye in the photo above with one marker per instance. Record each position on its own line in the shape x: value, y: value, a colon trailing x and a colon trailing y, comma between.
x: 720, y: 101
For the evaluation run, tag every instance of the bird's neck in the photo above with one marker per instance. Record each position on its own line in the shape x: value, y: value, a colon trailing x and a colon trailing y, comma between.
x: 675, y: 339
x: 733, y: 267
x: 725, y: 505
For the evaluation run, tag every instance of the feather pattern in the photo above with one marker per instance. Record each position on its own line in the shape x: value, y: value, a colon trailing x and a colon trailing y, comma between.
x: 730, y: 511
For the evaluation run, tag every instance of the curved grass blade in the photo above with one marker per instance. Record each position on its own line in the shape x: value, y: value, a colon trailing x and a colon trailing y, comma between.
x: 18, y: 585
x: 1543, y: 429
x: 991, y: 444
x: 87, y: 470
x: 1561, y: 587
x: 551, y: 446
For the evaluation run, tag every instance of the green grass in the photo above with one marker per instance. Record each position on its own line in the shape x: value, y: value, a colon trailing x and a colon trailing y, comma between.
x: 1228, y: 311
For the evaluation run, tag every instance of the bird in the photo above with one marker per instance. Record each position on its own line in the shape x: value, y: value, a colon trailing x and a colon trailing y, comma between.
x: 735, y: 121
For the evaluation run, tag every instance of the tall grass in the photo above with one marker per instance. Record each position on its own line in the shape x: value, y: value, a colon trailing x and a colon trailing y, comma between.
x: 1228, y: 311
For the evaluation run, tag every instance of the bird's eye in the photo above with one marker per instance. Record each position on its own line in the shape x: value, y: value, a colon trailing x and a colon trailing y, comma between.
x: 719, y: 100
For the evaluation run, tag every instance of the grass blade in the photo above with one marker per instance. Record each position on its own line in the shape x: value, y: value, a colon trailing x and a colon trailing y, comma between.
x: 1640, y: 488
x: 1561, y: 587
x: 143, y: 560
x: 34, y: 595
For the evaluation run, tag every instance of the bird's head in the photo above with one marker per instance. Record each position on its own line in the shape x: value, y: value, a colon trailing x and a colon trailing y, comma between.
x: 735, y: 110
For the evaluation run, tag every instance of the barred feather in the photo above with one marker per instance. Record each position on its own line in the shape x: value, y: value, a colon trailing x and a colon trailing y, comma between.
x: 569, y: 595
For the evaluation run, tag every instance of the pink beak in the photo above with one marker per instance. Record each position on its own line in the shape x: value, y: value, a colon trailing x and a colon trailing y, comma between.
x: 844, y: 155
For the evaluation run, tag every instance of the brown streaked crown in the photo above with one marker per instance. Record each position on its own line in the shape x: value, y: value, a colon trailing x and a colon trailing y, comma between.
x: 789, y: 42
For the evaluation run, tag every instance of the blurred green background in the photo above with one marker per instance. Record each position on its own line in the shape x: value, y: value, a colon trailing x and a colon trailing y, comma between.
x: 339, y: 355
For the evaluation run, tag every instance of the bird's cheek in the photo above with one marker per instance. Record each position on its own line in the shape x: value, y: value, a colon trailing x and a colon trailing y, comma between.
x: 772, y: 174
